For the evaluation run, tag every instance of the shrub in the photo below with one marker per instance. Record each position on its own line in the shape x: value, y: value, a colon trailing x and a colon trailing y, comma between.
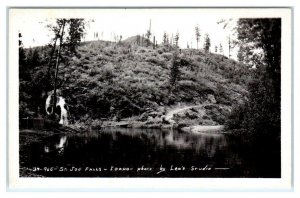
x: 236, y: 118
x: 159, y: 51
x: 155, y: 60
x: 168, y: 56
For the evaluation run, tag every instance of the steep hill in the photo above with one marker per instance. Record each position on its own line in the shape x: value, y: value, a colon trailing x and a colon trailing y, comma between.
x: 109, y: 81
x: 136, y: 40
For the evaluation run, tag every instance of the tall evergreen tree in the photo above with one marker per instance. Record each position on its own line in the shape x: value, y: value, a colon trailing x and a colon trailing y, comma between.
x: 197, y: 34
x: 165, y: 39
x: 148, y: 35
x: 207, y: 43
x: 174, y: 73
x: 176, y: 39
x: 221, y: 49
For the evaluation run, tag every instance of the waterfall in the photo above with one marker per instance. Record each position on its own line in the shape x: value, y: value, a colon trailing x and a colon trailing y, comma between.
x: 48, y: 109
x: 61, y: 103
x: 63, y: 113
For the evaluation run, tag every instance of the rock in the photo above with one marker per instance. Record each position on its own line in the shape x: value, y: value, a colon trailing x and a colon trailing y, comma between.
x: 144, y: 117
x: 192, y: 115
x: 211, y: 98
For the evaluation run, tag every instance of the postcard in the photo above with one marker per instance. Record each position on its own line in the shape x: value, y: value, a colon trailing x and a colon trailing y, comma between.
x: 150, y: 98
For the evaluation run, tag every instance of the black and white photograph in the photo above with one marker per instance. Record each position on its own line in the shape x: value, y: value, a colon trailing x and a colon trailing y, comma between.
x: 149, y: 93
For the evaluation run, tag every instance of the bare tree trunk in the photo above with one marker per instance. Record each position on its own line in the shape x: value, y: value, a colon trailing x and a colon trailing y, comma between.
x: 229, y: 46
x: 56, y: 68
x: 52, y: 52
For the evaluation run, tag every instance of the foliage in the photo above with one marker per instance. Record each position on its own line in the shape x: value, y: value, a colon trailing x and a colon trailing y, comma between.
x: 33, y: 58
x: 175, y: 73
x: 261, y: 114
x: 107, y: 82
x: 221, y: 49
x: 207, y: 43
x: 76, y: 31
x: 197, y: 34
x: 165, y: 39
x: 22, y: 56
x: 176, y: 39
x: 216, y: 49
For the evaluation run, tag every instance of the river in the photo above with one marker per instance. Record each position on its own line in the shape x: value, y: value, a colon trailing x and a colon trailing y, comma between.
x: 122, y: 152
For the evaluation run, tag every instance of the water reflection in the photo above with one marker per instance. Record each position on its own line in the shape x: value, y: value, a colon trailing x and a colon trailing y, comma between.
x: 57, y: 144
x: 135, y: 147
x: 206, y: 144
x: 202, y: 142
x: 153, y: 148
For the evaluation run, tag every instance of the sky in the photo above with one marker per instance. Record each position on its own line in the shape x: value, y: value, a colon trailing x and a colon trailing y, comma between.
x: 130, y: 22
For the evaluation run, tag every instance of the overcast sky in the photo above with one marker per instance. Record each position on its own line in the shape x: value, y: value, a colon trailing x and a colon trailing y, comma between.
x: 129, y: 22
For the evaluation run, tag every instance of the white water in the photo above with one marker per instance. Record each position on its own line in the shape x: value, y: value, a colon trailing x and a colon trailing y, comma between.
x: 61, y: 102
x: 60, y: 145
x: 48, y: 100
x: 62, y: 142
x: 64, y: 113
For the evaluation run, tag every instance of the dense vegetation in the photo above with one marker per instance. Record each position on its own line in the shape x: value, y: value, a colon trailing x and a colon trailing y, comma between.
x: 261, y: 114
x: 122, y: 80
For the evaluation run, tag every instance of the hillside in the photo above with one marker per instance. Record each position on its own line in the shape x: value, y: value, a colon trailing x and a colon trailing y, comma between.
x: 136, y: 40
x: 105, y: 81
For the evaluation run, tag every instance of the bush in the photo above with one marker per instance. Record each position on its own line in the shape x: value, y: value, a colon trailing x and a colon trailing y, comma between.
x: 168, y: 56
x: 159, y: 51
x: 221, y: 96
x: 236, y: 118
x: 155, y: 60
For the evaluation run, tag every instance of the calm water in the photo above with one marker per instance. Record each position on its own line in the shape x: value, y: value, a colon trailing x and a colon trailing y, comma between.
x: 149, y: 153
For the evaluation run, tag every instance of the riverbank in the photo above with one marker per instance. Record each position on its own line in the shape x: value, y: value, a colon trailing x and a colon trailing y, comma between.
x: 206, y: 117
x: 204, y: 129
x: 193, y: 118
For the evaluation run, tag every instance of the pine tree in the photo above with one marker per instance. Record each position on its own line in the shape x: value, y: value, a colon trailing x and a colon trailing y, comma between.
x: 175, y: 73
x: 207, y: 43
x: 197, y: 34
x: 229, y: 46
x: 176, y: 39
x: 216, y: 49
x: 148, y: 35
x: 165, y: 39
x: 221, y: 49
